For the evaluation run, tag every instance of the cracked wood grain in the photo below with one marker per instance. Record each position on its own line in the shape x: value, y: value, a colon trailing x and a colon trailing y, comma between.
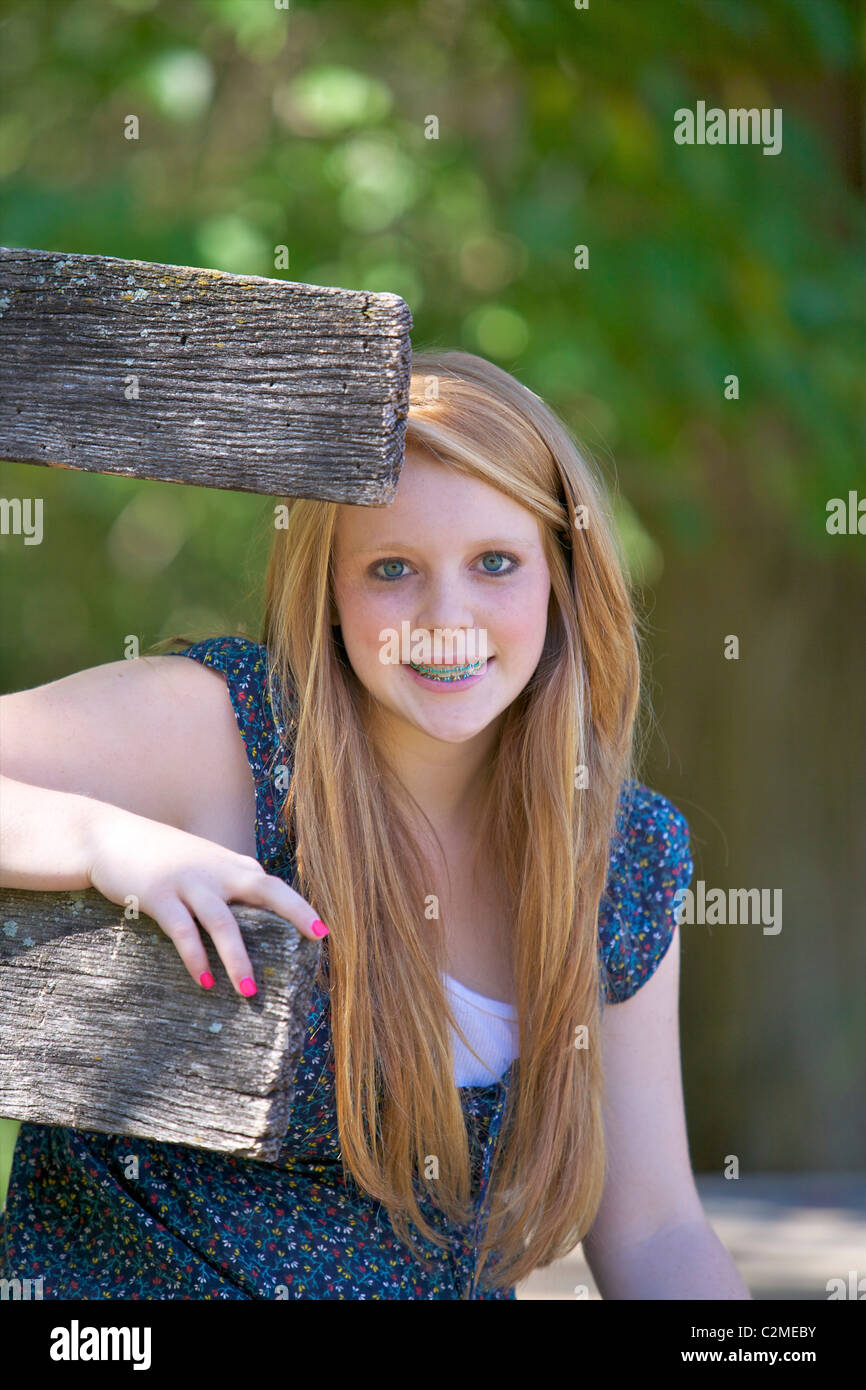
x: 201, y: 377
x: 101, y: 1027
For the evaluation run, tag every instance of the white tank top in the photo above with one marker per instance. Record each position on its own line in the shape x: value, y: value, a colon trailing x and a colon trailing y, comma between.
x: 490, y: 1026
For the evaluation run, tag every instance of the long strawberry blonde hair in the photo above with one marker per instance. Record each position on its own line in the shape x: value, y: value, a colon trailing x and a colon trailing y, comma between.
x: 548, y: 826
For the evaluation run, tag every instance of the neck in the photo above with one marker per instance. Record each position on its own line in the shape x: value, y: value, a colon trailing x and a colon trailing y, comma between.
x: 445, y: 780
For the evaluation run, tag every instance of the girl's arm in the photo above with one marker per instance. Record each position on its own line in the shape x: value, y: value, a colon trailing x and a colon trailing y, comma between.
x: 154, y: 736
x: 683, y: 1262
x: 651, y: 1238
x: 47, y: 837
x: 132, y: 778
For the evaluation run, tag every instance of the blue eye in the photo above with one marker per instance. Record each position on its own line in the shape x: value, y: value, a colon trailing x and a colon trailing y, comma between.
x: 390, y: 578
x: 502, y: 556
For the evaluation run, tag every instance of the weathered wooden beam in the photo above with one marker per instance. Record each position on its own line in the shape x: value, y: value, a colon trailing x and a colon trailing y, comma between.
x: 197, y: 376
x: 102, y: 1028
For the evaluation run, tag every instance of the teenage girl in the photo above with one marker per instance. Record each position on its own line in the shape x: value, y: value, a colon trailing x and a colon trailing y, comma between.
x: 491, y: 1070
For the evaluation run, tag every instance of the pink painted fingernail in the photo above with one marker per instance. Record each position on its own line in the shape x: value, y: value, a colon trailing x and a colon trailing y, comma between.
x: 247, y: 987
x: 319, y: 928
x: 206, y: 979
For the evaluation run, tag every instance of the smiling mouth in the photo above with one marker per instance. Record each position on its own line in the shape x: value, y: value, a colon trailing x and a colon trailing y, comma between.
x: 449, y: 673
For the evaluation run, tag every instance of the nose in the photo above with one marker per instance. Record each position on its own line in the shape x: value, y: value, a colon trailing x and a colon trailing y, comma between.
x: 444, y: 605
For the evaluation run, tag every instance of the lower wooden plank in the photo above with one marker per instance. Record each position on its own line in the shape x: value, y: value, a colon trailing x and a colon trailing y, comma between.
x: 102, y: 1028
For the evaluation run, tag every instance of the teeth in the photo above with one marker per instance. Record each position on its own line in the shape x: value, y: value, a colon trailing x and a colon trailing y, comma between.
x: 447, y: 673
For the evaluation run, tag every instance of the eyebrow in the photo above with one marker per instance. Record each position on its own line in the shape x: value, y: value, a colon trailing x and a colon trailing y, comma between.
x: 490, y: 543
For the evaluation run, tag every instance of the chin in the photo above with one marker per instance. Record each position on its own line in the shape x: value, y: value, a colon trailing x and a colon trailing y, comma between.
x: 456, y: 733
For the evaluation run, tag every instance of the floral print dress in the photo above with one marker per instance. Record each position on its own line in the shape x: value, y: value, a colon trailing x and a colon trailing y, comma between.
x: 104, y: 1216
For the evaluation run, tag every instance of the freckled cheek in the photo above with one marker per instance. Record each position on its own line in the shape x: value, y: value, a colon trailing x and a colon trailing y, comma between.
x: 518, y: 626
x: 362, y: 621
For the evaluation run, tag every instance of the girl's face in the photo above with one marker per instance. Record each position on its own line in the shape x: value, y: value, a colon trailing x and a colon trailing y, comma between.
x: 450, y: 552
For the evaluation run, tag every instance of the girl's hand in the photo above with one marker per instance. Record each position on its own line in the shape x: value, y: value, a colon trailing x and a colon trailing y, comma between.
x: 176, y: 876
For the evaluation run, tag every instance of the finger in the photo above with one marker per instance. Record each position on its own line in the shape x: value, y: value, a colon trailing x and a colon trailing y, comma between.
x: 180, y: 928
x: 271, y: 892
x: 221, y: 925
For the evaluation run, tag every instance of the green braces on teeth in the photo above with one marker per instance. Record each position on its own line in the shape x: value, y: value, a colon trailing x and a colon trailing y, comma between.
x: 462, y: 671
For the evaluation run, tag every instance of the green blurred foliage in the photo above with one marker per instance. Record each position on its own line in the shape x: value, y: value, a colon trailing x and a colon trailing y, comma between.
x: 307, y: 127
x: 8, y: 1138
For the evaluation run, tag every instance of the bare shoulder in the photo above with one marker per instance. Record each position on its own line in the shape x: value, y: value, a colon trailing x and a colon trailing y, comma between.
x: 156, y: 736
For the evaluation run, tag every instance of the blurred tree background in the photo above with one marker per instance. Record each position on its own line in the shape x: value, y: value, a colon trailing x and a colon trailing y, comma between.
x: 307, y: 126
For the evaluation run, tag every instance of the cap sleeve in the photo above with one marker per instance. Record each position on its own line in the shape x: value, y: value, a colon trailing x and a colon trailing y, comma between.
x: 244, y: 664
x: 650, y: 862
